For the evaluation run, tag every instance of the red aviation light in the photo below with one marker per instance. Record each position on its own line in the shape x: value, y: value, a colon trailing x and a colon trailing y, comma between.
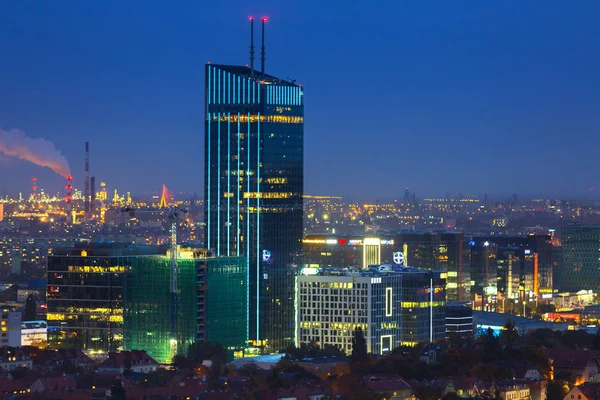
x: 342, y: 241
x: 251, y: 18
x: 264, y: 19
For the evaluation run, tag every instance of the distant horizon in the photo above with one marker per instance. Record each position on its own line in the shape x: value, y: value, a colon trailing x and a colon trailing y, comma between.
x: 495, y: 197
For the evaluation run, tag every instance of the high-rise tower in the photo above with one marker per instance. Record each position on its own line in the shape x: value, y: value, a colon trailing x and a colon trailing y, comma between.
x: 254, y: 183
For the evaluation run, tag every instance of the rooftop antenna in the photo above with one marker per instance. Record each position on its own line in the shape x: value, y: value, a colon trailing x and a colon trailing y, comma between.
x: 251, y: 46
x: 262, y: 49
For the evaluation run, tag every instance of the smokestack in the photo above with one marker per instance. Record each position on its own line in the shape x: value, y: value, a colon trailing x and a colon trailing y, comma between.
x: 92, y: 196
x: 69, y: 198
x: 86, y: 190
x: 262, y: 48
x: 251, y: 46
x: 34, y: 188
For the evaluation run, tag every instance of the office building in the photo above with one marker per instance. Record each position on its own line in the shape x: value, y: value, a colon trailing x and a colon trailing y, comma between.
x: 254, y: 182
x: 147, y: 307
x: 513, y: 267
x: 10, y: 327
x: 444, y: 252
x: 211, y: 304
x: 394, y: 306
x: 16, y: 249
x: 484, y: 271
x: 580, y: 258
x: 85, y: 294
x: 459, y: 320
x: 223, y: 302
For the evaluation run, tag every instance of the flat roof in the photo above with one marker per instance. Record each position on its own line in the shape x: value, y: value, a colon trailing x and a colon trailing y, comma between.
x: 245, y: 71
x: 379, y: 271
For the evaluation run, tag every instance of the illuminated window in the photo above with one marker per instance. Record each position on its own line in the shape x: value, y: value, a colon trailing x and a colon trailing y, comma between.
x: 388, y: 302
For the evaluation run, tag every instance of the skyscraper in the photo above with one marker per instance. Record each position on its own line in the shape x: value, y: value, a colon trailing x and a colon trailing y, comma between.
x: 580, y: 258
x: 254, y: 182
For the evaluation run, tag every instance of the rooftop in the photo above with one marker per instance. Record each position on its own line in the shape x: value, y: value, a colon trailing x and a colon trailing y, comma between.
x: 375, y: 271
x: 245, y: 72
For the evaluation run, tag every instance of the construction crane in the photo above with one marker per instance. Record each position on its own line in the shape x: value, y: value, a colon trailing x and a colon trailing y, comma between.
x: 175, y: 215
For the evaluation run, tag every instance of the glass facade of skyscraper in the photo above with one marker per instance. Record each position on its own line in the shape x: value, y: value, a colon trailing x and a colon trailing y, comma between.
x: 85, y: 294
x: 254, y: 182
x: 580, y: 258
x: 147, y: 307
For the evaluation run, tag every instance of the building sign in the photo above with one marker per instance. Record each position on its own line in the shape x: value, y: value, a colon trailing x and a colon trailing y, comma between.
x: 266, y: 255
x: 309, y: 271
x: 314, y: 241
x: 398, y: 258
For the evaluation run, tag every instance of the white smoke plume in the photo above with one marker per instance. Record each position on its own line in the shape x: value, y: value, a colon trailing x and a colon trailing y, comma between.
x: 41, y: 152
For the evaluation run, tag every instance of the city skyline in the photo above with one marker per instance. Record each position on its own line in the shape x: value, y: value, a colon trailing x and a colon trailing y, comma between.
x: 488, y: 102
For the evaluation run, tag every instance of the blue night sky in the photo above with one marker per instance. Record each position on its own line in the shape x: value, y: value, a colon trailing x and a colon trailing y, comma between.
x: 438, y: 96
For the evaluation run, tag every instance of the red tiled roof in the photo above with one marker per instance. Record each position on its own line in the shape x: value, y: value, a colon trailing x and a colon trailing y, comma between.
x: 572, y: 358
x: 56, y: 395
x: 179, y: 391
x: 12, y: 385
x: 386, y: 385
x: 124, y: 358
x: 590, y: 390
x: 465, y: 382
x: 63, y: 383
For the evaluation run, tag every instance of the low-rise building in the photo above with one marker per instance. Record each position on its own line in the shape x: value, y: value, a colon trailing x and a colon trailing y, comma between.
x: 587, y: 391
x: 583, y: 365
x: 136, y: 361
x: 394, y: 388
x: 10, y: 327
x: 513, y: 391
x: 8, y: 362
x: 459, y: 320
x: 34, y: 333
x: 394, y: 306
x: 23, y: 294
x: 63, y: 383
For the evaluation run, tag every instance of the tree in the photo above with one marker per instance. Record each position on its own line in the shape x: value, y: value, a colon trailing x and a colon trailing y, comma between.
x: 198, y: 352
x: 509, y: 335
x: 426, y: 392
x: 359, y: 345
x: 557, y: 389
x: 181, y: 362
x: 116, y: 391
x: 367, y: 394
x: 30, y: 313
x: 451, y: 396
x: 312, y: 350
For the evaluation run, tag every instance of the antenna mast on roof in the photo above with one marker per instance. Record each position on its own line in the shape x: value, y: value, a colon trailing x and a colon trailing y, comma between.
x: 251, y: 46
x: 262, y: 49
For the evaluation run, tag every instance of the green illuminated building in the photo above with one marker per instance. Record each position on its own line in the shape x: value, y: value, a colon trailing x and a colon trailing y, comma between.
x: 212, y: 304
x: 147, y: 307
x: 226, y: 305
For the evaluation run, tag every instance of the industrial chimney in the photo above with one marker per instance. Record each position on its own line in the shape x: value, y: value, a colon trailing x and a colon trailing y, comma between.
x: 86, y: 188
